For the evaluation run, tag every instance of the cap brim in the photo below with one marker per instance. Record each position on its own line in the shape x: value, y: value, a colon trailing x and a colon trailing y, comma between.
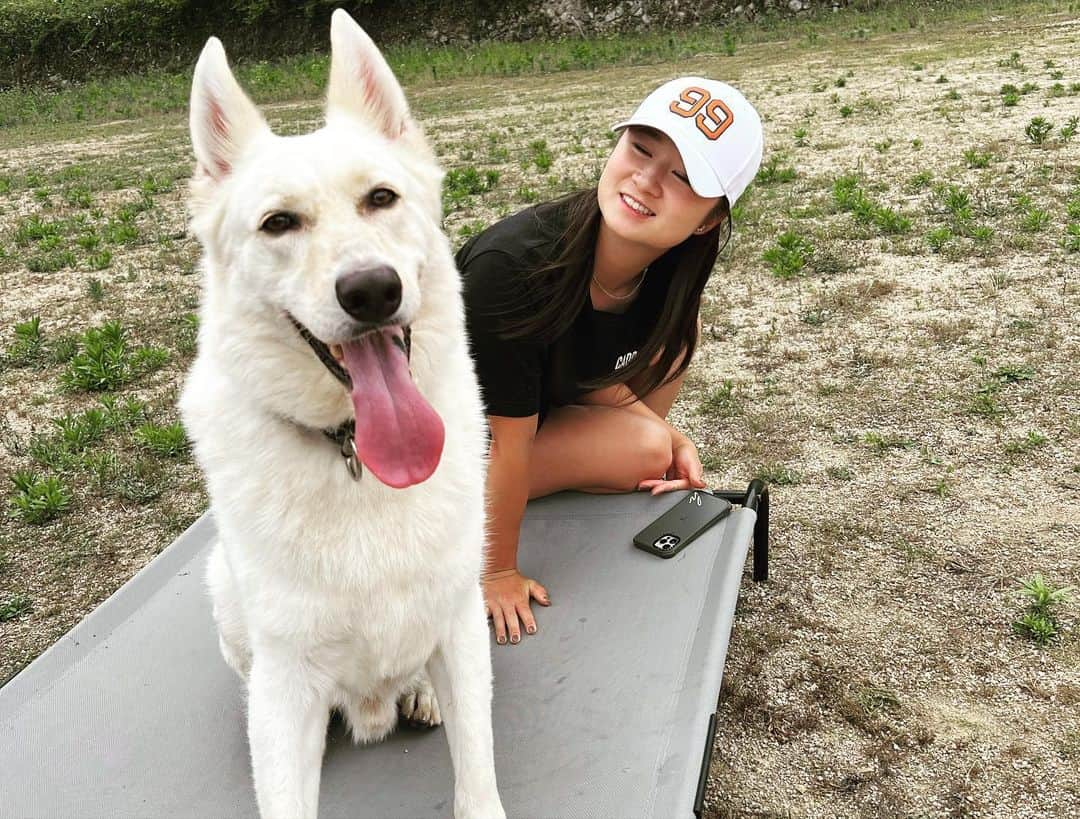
x: 702, y: 178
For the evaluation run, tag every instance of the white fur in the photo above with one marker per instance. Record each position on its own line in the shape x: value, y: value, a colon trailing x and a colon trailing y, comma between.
x: 330, y: 593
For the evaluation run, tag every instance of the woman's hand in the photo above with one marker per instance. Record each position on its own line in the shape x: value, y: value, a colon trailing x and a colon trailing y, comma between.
x: 507, y: 595
x: 685, y: 471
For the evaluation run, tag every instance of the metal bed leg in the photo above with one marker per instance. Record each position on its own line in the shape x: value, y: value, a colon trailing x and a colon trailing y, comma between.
x: 755, y: 497
x: 761, y: 538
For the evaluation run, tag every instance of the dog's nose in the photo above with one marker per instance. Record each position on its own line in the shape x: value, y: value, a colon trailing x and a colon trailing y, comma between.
x: 369, y: 295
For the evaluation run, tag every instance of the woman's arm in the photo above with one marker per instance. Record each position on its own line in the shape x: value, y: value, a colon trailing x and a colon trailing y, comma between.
x: 507, y: 487
x: 507, y: 593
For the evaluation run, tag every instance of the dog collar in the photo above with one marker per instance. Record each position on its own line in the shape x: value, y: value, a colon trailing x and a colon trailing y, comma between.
x: 344, y: 435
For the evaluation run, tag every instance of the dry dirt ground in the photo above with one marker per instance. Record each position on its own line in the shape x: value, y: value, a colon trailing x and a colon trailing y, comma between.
x: 915, y: 407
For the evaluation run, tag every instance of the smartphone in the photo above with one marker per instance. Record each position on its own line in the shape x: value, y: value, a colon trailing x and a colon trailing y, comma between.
x: 677, y: 527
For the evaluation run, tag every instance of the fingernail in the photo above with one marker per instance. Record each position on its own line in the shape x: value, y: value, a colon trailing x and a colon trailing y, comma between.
x: 531, y: 629
x: 515, y: 638
x: 500, y: 640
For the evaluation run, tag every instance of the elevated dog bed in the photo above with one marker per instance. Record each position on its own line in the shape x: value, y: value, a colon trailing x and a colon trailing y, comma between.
x: 606, y: 711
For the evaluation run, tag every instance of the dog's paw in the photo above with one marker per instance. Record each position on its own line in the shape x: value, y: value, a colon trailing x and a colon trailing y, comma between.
x: 417, y: 704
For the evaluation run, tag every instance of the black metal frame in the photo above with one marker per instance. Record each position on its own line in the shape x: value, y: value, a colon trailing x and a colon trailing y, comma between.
x: 755, y: 497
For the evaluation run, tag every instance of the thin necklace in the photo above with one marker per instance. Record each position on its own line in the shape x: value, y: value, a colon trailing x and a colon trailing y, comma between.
x: 609, y: 294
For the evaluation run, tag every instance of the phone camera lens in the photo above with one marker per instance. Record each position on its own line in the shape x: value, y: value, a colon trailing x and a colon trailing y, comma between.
x: 666, y: 542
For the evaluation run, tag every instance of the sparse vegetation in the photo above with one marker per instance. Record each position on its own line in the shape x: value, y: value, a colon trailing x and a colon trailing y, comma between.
x: 789, y: 256
x: 38, y: 500
x: 1040, y: 622
x: 1038, y: 130
x: 977, y: 159
x: 14, y: 606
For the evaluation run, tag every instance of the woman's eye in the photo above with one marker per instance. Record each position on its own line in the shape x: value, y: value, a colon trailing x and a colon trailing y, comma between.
x: 641, y: 150
x: 278, y: 223
x: 682, y: 178
x: 382, y: 198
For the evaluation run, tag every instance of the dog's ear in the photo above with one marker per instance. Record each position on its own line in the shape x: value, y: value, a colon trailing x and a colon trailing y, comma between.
x: 222, y: 118
x: 361, y: 83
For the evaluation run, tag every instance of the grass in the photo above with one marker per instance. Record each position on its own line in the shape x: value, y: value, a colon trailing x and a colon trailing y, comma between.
x: 27, y: 347
x: 778, y: 474
x: 880, y: 444
x: 772, y: 172
x: 977, y: 159
x: 938, y: 238
x: 1038, y: 130
x: 304, y: 76
x: 1032, y: 440
x: 986, y: 401
x: 1040, y: 622
x: 461, y: 185
x: 848, y: 196
x: 138, y: 480
x: 789, y: 256
x: 723, y: 400
x: 1071, y: 241
x: 15, y: 606
x: 166, y: 441
x: 104, y: 363
x: 74, y: 433
x: 38, y: 500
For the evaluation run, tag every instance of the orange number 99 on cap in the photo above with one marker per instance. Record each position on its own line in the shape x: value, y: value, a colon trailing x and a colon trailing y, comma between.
x: 713, y: 120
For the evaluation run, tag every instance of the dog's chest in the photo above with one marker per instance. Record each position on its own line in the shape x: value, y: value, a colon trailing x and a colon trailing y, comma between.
x: 352, y: 575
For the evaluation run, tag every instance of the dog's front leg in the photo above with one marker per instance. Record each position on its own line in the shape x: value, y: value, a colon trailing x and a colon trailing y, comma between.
x: 460, y: 671
x: 287, y: 719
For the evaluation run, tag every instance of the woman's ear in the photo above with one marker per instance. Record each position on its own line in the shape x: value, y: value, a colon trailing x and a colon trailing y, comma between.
x: 715, y: 217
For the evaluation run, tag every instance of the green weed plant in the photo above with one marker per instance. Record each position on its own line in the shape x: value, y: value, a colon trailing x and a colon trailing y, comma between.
x: 789, y: 255
x: 1040, y: 621
x: 167, y: 441
x: 38, y: 500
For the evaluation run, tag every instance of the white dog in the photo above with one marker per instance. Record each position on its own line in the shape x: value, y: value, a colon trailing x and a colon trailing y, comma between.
x: 348, y: 564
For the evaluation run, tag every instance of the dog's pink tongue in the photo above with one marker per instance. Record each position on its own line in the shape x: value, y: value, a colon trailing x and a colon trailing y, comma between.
x: 399, y: 436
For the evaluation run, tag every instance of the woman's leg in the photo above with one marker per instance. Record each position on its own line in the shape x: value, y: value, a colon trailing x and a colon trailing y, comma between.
x: 598, y: 449
x: 602, y: 450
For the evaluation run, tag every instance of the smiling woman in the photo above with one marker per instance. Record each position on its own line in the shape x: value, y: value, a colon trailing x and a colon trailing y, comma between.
x: 583, y: 317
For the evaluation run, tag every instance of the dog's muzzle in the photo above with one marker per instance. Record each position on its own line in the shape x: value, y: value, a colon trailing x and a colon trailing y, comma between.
x: 342, y: 435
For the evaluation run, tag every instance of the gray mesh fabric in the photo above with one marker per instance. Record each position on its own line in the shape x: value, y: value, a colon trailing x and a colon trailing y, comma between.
x: 603, y: 712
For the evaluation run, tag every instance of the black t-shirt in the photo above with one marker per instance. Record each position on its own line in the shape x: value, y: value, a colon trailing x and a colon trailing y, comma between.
x: 520, y: 377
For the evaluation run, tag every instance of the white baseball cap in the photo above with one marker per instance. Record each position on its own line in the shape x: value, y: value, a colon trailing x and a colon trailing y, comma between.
x: 717, y: 131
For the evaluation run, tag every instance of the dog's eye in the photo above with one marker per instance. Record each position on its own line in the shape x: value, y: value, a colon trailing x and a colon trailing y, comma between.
x: 278, y: 223
x: 382, y: 198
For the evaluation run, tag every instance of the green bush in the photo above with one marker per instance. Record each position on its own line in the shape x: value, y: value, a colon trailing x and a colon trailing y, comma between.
x: 76, y: 39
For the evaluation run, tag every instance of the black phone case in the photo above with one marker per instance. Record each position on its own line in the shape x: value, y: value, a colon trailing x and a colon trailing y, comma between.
x: 677, y: 528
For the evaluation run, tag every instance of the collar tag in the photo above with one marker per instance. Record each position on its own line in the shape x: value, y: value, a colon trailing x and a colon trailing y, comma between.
x: 343, y: 437
x: 352, y: 463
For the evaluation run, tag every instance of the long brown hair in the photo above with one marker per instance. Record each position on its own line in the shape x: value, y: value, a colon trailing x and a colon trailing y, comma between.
x: 561, y: 287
